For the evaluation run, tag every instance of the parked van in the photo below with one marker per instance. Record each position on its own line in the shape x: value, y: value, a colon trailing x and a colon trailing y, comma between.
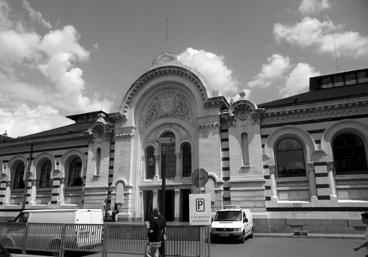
x: 44, y: 229
x: 234, y: 222
x: 64, y: 216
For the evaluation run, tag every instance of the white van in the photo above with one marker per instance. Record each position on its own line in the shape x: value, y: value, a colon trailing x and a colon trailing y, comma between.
x: 64, y: 216
x: 232, y: 221
x: 83, y: 228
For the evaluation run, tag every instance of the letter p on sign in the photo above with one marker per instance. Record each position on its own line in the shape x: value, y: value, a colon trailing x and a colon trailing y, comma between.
x: 200, y: 205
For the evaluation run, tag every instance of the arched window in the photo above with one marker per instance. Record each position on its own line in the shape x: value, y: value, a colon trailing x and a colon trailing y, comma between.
x: 45, y: 174
x: 75, y: 172
x: 245, y: 149
x: 98, y: 160
x: 150, y: 162
x: 290, y: 158
x: 168, y: 156
x: 349, y: 154
x: 18, y: 182
x: 186, y: 161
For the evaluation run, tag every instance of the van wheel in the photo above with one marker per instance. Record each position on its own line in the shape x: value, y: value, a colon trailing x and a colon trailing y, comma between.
x: 243, y: 237
x: 54, y: 246
x: 251, y: 234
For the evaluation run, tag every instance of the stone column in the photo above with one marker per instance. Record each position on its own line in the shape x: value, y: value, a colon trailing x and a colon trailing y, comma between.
x: 157, y: 166
x: 32, y: 200
x: 179, y: 170
x: 177, y: 205
x: 273, y: 183
x: 5, y: 183
x: 7, y: 193
x: 331, y: 180
x: 312, y: 182
x: 143, y: 165
x: 30, y: 177
x: 155, y: 199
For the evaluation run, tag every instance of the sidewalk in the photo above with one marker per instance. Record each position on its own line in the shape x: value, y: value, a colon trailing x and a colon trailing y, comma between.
x: 276, y: 235
x: 310, y: 235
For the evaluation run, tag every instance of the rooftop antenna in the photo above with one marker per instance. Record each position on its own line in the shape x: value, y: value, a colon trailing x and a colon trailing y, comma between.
x: 337, y: 63
x: 335, y: 49
x: 167, y: 34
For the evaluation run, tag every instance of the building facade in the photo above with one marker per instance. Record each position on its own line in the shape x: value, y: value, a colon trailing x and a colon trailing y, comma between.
x: 297, y: 163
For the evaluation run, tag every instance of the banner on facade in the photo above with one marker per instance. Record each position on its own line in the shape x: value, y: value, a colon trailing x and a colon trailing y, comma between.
x: 199, y: 209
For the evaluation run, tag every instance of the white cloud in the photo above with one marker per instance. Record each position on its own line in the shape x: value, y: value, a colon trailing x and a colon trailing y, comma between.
x: 30, y: 102
x: 275, y: 68
x: 37, y: 16
x: 31, y: 120
x: 311, y: 32
x: 4, y: 15
x: 63, y: 41
x: 279, y: 73
x: 313, y: 6
x: 16, y: 46
x: 298, y: 79
x: 15, y: 90
x: 213, y: 68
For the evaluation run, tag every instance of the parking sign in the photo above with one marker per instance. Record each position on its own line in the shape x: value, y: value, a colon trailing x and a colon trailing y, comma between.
x: 199, y: 209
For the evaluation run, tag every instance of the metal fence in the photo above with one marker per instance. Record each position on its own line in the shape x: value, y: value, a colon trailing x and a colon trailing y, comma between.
x: 183, y: 240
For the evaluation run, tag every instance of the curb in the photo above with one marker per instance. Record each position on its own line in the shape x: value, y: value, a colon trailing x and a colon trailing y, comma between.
x: 311, y: 235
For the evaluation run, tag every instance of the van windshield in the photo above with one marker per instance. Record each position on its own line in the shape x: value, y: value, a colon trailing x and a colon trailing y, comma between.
x: 228, y: 216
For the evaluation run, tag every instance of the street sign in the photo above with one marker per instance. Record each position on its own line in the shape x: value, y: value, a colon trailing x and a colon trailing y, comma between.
x: 200, y: 209
x: 199, y: 177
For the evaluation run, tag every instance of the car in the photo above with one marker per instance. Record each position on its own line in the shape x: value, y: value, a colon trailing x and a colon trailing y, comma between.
x: 232, y: 222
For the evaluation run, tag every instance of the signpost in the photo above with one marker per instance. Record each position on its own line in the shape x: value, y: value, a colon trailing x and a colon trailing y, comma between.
x: 199, y: 209
x: 199, y: 178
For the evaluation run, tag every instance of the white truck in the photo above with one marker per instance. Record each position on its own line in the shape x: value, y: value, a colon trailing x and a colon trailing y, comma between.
x: 82, y: 228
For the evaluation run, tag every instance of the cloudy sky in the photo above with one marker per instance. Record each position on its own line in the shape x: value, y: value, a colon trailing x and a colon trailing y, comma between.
x: 59, y: 58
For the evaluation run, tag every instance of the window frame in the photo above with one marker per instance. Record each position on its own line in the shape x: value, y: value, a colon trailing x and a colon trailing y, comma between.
x: 341, y: 172
x: 150, y: 168
x: 72, y: 183
x: 187, y: 172
x: 42, y: 171
x: 303, y: 155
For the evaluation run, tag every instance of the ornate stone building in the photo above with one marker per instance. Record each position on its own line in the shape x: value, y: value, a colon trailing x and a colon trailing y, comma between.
x: 297, y: 163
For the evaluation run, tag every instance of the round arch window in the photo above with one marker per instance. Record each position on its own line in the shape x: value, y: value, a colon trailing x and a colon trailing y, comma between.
x: 168, y: 153
x: 75, y: 172
x: 290, y: 158
x: 18, y: 182
x: 45, y: 174
x: 349, y: 154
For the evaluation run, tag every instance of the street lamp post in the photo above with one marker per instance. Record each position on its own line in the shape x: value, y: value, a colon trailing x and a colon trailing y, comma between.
x: 161, y: 141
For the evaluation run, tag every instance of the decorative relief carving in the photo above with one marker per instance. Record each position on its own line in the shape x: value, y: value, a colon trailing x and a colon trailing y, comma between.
x: 167, y: 104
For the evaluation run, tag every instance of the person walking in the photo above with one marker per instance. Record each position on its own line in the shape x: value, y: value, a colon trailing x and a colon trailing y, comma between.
x: 163, y: 234
x: 365, y: 244
x: 115, y: 212
x: 156, y: 228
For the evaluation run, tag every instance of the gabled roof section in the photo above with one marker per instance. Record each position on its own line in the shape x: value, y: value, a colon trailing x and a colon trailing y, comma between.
x: 328, y: 88
x: 65, y: 130
x: 83, y: 122
x: 4, y: 138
